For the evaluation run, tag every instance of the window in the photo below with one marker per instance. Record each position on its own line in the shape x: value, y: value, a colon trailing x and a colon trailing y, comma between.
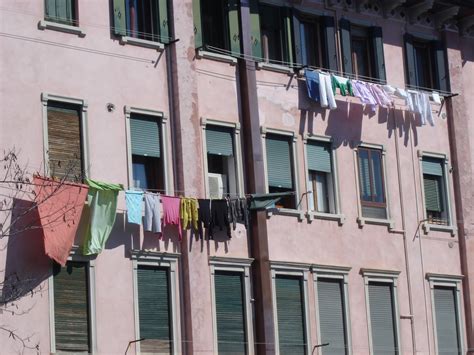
x: 434, y: 186
x: 230, y: 312
x: 320, y: 175
x: 72, y: 307
x: 153, y: 285
x: 362, y: 50
x: 382, y: 318
x: 446, y: 307
x: 142, y: 19
x: 290, y: 309
x: 280, y: 167
x: 61, y: 11
x: 221, y: 161
x: 310, y: 41
x: 371, y: 181
x: 426, y: 65
x: 155, y: 295
x: 148, y: 171
x: 64, y: 141
x: 332, y: 322
x: 274, y: 33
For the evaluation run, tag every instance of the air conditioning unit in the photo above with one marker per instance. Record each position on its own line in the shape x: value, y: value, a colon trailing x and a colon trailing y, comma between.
x: 217, y: 185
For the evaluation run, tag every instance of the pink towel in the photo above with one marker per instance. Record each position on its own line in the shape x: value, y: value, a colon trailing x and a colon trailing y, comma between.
x: 171, y: 212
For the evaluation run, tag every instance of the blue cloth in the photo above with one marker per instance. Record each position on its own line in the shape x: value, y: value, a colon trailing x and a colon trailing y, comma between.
x: 312, y: 84
x: 134, y: 200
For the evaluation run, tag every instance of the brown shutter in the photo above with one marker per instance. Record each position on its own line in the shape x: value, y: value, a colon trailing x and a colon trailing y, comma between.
x: 64, y: 142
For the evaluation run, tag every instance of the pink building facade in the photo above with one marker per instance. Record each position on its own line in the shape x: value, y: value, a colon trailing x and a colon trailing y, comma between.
x: 364, y: 260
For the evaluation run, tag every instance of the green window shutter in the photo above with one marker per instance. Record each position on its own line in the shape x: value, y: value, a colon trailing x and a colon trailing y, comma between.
x: 64, y: 141
x: 255, y: 30
x: 447, y: 331
x: 50, y: 10
x: 440, y: 66
x: 163, y: 23
x: 432, y: 166
x: 279, y: 167
x: 298, y: 50
x: 197, y: 23
x: 329, y: 40
x: 374, y: 212
x: 153, y: 287
x: 230, y: 316
x: 290, y: 312
x: 71, y: 307
x: 120, y: 18
x: 64, y: 11
x: 382, y: 318
x: 432, y: 193
x: 234, y: 26
x: 145, y: 136
x: 345, y: 31
x: 410, y: 60
x: 319, y: 156
x: 331, y: 316
x: 219, y: 141
x: 377, y: 47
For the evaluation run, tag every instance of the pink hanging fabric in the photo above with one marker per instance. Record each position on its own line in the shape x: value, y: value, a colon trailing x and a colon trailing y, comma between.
x: 60, y: 208
x: 171, y: 212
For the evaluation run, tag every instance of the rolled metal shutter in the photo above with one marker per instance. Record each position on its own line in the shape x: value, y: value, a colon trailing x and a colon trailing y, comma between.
x: 447, y: 331
x: 145, y: 136
x: 319, y: 156
x: 290, y: 312
x: 230, y: 316
x: 432, y: 166
x: 154, y: 311
x: 71, y: 307
x: 279, y: 162
x: 219, y: 141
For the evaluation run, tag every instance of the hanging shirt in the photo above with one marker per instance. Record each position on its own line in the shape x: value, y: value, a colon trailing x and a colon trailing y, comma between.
x: 312, y: 84
x: 152, y: 213
x: 219, y: 216
x: 171, y: 216
x: 365, y: 95
x: 326, y: 93
x: 102, y: 202
x: 380, y: 96
x: 189, y: 211
x: 426, y: 112
x: 343, y: 84
x: 204, y: 215
x: 133, y: 200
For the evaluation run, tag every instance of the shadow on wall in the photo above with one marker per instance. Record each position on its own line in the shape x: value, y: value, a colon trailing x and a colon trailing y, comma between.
x: 27, y: 265
x: 345, y: 124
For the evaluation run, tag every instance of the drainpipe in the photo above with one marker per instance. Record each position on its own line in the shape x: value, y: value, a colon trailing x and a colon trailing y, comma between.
x: 255, y: 179
x: 405, y: 246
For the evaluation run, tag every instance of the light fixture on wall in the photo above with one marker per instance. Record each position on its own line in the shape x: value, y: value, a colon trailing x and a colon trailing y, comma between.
x: 110, y: 107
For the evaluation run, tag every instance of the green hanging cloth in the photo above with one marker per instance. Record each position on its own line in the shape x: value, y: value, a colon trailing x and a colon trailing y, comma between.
x: 102, y: 205
x: 344, y: 85
x: 264, y: 201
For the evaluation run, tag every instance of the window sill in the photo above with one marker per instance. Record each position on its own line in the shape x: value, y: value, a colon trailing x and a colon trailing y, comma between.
x: 48, y: 25
x: 142, y: 43
x: 286, y: 212
x: 340, y: 218
x: 382, y: 222
x: 274, y: 67
x: 428, y: 227
x: 216, y: 56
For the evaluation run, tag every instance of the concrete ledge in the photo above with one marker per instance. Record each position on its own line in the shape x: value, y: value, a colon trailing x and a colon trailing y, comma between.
x: 275, y: 67
x: 382, y: 222
x: 142, y: 43
x: 48, y: 25
x: 340, y: 218
x: 427, y: 227
x: 286, y: 212
x: 216, y: 56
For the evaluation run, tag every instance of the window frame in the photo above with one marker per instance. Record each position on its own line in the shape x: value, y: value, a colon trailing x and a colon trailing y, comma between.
x: 418, y: 43
x: 237, y: 147
x: 83, y: 109
x: 291, y: 135
x: 45, y: 24
x: 76, y: 256
x: 362, y: 35
x: 298, y: 270
x: 454, y: 282
x: 427, y: 227
x: 340, y: 273
x: 312, y: 214
x: 388, y: 277
x: 162, y: 260
x: 361, y: 220
x: 242, y: 266
x: 163, y: 126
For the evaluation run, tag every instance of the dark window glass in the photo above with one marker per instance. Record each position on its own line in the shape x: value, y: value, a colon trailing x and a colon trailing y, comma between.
x: 272, y: 33
x: 143, y: 19
x: 371, y: 180
x: 310, y: 42
x: 361, y: 52
x: 214, y: 23
x: 320, y: 188
x: 61, y: 11
x: 423, y: 65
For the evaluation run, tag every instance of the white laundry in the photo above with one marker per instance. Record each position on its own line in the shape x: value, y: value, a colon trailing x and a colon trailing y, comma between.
x: 436, y: 97
x: 326, y: 94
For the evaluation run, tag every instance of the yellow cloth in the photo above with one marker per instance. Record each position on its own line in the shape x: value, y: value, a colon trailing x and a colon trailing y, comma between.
x: 189, y: 212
